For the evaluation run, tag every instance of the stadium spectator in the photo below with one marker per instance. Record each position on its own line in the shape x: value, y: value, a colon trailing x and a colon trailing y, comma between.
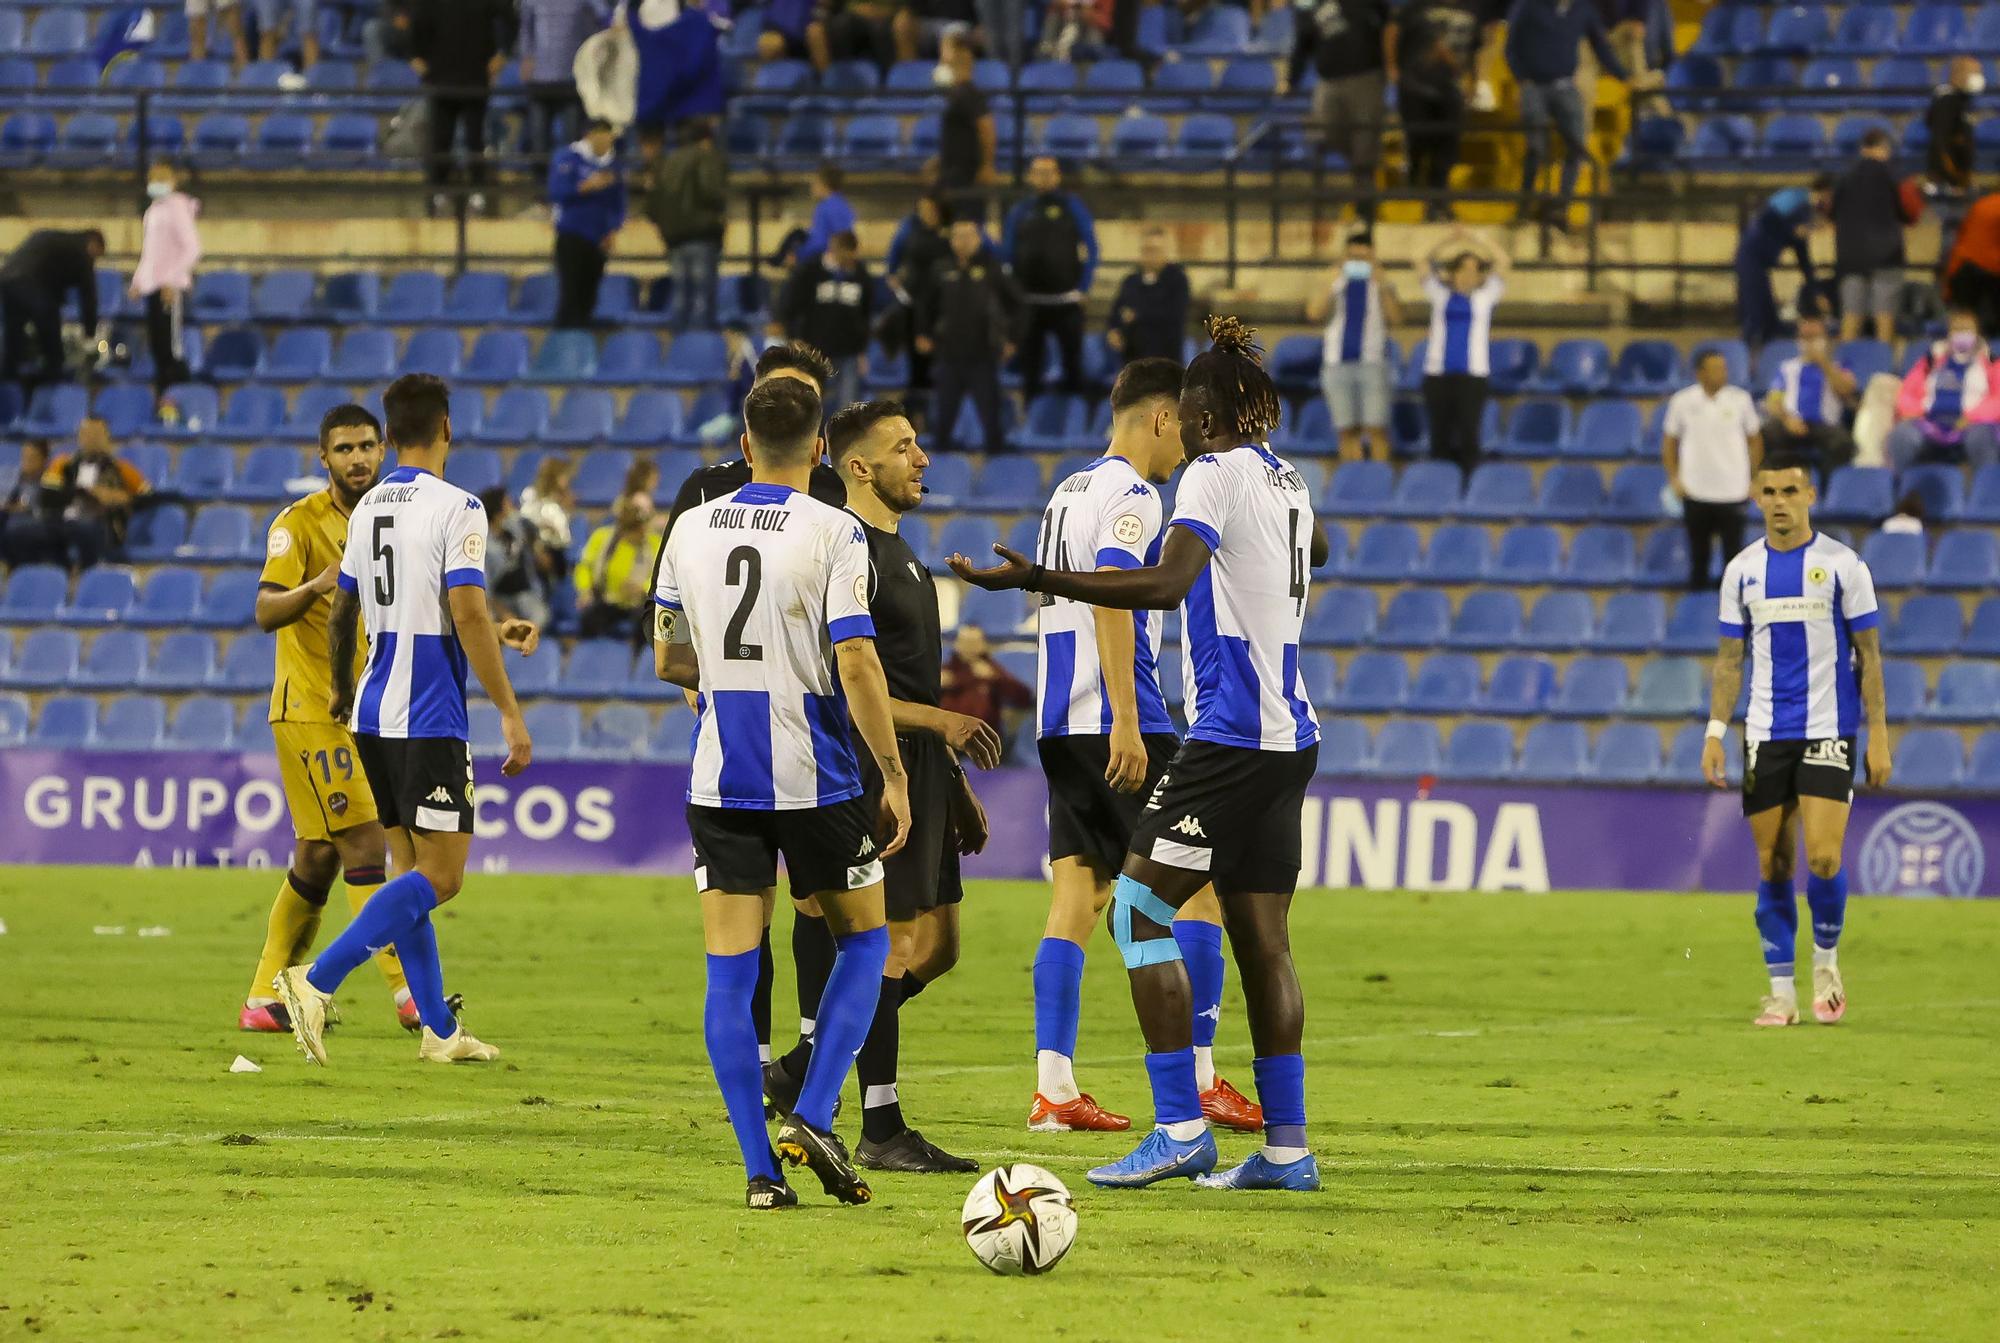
x: 1464, y: 276
x: 1149, y: 316
x: 1050, y: 246
x: 229, y: 15
x: 1543, y: 37
x: 1345, y: 43
x: 95, y: 489
x: 515, y: 583
x: 1949, y: 404
x: 968, y: 329
x: 552, y: 32
x: 1354, y: 356
x: 49, y: 264
x: 1972, y: 272
x: 274, y: 26
x: 681, y: 73
x: 922, y: 243
x: 1783, y: 224
x: 828, y: 302
x: 1711, y: 445
x: 30, y: 529
x: 587, y: 191
x: 1804, y: 412
x: 877, y: 31
x: 642, y: 482
x: 966, y: 136
x: 169, y: 247
x: 1072, y: 30
x: 740, y: 364
x: 975, y: 685
x: 547, y: 504
x: 832, y: 213
x: 1641, y: 32
x: 929, y: 20
x: 1431, y: 100
x: 611, y: 577
x: 1909, y: 517
x: 1949, y: 157
x: 1868, y: 255
x: 687, y: 198
x: 783, y: 30
x: 458, y: 47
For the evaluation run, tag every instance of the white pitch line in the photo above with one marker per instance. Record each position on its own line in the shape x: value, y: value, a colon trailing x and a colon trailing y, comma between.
x: 1529, y: 1169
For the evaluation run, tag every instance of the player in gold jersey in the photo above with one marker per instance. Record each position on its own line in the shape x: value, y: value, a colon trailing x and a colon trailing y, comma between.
x: 333, y: 810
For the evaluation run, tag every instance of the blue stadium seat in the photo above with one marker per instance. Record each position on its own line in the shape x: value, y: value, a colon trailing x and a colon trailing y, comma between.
x: 1053, y: 420
x: 348, y: 139
x: 299, y: 354
x: 1294, y: 362
x: 125, y: 408
x: 1729, y: 31
x: 585, y: 416
x: 1593, y: 687
x: 1670, y: 687
x: 1656, y: 142
x: 1864, y: 31
x: 1626, y: 753
x: 185, y: 660
x: 1896, y: 559
x: 1563, y: 621
x: 557, y: 729
x: 1554, y: 753
x: 517, y: 416
x: 998, y: 613
x: 234, y: 354
x: 1415, y: 618
x: 1982, y: 635
x: 1359, y: 489
x: 309, y: 406
x: 1426, y: 489
x: 498, y: 357
x: 598, y: 477
x: 1635, y: 622
x: 1797, y: 30
x: 1904, y: 691
x: 476, y: 298
x: 630, y: 357
x: 170, y: 598
x: 1926, y: 624
x: 1858, y: 494
x: 412, y: 298
x: 1579, y: 367
x: 54, y: 412
x: 282, y: 139
x: 155, y: 533
x: 596, y: 669
x: 1648, y: 368
x: 268, y: 473
x: 1966, y: 560
x: 1537, y: 428
x: 1519, y: 686
x: 364, y: 356
x: 198, y: 407
x: 283, y: 296
x: 695, y: 357
x: 1606, y: 429
x: 1830, y: 74
x: 1245, y: 86
x: 1983, y: 773
x: 252, y: 413
x: 1458, y: 553
x: 1499, y: 490
x: 473, y: 469
x: 26, y: 138
x: 434, y: 350
x: 230, y: 601
x: 1445, y: 684
x: 1180, y: 84
x: 1386, y: 553
x: 131, y: 723
x: 219, y: 138
x: 1933, y: 30
x: 1570, y: 492
x: 116, y: 659
x: 1310, y: 433
x: 651, y: 417
x: 67, y: 722
x: 46, y: 657
x: 1341, y: 616
x: 672, y: 739
x: 1408, y: 748
x: 1140, y: 139
x: 1940, y: 486
x: 1927, y: 759
x: 1344, y: 749
x: 1600, y: 556
x: 1529, y: 554
x: 1683, y: 764
x: 1070, y: 136
x: 1635, y: 495
x: 1375, y: 683
x: 1722, y: 141
x: 616, y: 732
x: 248, y: 663
x: 34, y: 591
x: 1967, y: 692
x: 1513, y: 362
x: 57, y: 32
x: 1109, y: 86
x: 1486, y: 618
x: 102, y: 597
x: 1479, y: 750
x: 201, y: 723
x: 1794, y: 138
x: 1008, y: 484
x: 1205, y: 140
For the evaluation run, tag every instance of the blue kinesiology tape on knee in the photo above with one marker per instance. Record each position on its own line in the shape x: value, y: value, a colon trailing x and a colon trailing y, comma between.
x: 1130, y: 895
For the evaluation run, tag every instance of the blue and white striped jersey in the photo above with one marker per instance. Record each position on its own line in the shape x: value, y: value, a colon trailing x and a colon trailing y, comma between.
x: 1808, y: 393
x: 1357, y: 332
x: 1241, y: 619
x: 1104, y: 516
x: 1799, y: 609
x: 412, y: 539
x: 768, y: 580
x: 1461, y: 339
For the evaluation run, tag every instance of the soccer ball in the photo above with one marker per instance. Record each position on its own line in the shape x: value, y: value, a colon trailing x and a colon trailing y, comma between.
x: 1019, y: 1219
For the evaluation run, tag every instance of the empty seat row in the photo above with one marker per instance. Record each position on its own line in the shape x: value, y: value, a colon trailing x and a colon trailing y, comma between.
x: 1860, y: 30
x: 39, y: 594
x: 123, y: 659
x: 134, y: 723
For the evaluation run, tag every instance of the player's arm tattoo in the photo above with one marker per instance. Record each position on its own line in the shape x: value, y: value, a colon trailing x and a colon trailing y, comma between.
x: 1727, y: 681
x: 868, y: 702
x: 343, y: 625
x: 1868, y: 669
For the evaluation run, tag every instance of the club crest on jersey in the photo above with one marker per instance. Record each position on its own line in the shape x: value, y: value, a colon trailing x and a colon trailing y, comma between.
x: 1816, y: 574
x: 279, y: 543
x: 474, y: 547
x: 337, y: 803
x: 861, y: 586
x: 1128, y: 529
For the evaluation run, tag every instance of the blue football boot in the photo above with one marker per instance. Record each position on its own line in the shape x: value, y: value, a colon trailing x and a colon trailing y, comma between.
x: 1159, y: 1158
x: 1301, y: 1176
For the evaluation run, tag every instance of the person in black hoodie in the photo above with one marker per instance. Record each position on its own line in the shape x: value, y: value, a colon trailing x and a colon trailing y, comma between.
x: 922, y: 243
x: 968, y: 327
x: 1868, y: 255
x: 1050, y: 246
x: 1150, y: 315
x: 48, y: 264
x: 1342, y: 40
x: 458, y: 47
x: 1431, y: 98
x: 828, y: 302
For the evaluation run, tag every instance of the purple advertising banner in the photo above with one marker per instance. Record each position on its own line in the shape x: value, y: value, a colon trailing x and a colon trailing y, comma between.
x: 226, y: 809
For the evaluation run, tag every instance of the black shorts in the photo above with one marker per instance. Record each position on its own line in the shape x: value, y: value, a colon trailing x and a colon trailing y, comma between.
x: 1230, y: 812
x: 1088, y: 818
x: 736, y: 849
x: 420, y: 783
x: 923, y: 874
x: 1776, y: 773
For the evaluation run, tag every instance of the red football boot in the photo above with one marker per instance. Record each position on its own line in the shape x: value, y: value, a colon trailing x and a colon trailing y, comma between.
x: 1226, y: 1107
x: 1082, y: 1115
x: 265, y: 1018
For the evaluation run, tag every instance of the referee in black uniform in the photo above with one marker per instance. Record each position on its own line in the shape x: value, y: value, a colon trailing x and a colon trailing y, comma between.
x: 875, y: 450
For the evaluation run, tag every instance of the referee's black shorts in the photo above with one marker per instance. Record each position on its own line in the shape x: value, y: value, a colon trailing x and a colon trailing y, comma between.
x: 923, y: 874
x: 1088, y: 818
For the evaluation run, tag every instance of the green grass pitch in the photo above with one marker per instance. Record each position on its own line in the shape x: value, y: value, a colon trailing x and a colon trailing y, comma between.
x: 1539, y: 1117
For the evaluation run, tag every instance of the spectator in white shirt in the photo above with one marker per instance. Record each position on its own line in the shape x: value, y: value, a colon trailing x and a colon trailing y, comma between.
x: 1712, y: 444
x: 1811, y: 402
x: 1464, y: 277
x: 1354, y: 363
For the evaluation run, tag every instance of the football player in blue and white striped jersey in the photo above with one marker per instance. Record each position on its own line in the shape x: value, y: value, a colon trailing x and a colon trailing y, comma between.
x: 1802, y: 605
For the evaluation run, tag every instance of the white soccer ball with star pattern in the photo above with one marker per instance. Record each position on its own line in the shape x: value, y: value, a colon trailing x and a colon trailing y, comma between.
x: 1019, y: 1219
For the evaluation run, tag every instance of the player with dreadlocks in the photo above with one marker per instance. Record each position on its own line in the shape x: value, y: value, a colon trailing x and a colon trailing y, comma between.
x: 1236, y: 560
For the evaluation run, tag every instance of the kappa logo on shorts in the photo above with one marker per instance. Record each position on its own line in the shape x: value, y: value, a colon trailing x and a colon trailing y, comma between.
x: 867, y: 847
x: 1830, y: 752
x: 1189, y: 826
x: 440, y: 794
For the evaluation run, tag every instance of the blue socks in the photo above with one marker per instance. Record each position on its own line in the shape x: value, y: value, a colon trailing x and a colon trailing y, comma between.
x: 1176, y: 1099
x: 386, y: 919
x: 846, y: 1011
x: 1201, y: 951
x: 729, y: 1027
x: 1778, y: 922
x: 1827, y: 898
x: 417, y: 949
x: 1058, y: 995
x: 1281, y: 1089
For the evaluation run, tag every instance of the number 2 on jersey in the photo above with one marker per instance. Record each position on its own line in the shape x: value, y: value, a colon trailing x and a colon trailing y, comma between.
x: 746, y: 568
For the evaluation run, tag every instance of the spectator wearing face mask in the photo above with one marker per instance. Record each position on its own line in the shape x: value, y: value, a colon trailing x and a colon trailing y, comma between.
x: 1950, y: 401
x: 169, y: 249
x: 1354, y: 356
